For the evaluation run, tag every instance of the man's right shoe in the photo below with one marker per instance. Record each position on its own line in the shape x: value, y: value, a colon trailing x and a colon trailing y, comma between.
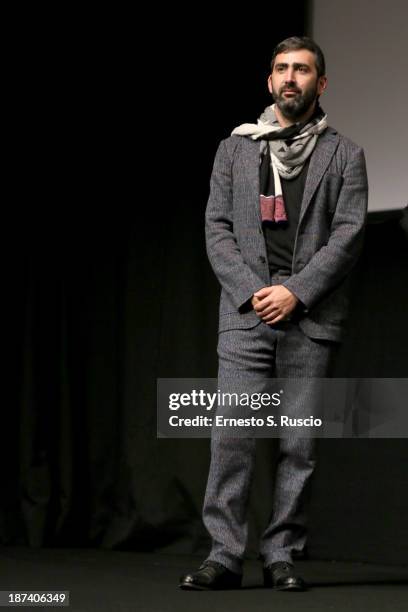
x: 211, y: 576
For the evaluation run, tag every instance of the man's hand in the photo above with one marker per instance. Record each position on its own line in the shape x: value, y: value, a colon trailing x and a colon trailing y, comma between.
x: 273, y: 304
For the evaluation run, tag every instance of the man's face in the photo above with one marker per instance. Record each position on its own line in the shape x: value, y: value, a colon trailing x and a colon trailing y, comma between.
x: 294, y: 83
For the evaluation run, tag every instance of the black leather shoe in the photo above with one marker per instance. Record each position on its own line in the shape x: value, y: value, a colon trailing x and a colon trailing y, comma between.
x: 211, y: 576
x: 281, y: 576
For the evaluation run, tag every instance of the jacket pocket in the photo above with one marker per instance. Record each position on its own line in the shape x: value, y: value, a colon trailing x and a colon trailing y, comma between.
x: 231, y: 320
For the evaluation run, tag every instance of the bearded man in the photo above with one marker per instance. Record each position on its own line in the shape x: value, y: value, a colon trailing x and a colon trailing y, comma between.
x: 284, y: 228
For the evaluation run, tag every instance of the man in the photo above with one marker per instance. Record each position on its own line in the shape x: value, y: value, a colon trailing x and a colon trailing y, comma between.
x: 284, y: 227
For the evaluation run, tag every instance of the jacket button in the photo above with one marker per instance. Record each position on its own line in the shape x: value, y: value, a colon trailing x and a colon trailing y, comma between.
x: 262, y: 259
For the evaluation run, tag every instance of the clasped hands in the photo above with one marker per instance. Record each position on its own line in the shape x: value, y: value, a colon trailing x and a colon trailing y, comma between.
x: 274, y: 304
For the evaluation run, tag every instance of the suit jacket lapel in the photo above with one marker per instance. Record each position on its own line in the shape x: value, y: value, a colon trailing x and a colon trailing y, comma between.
x: 251, y: 154
x: 320, y: 159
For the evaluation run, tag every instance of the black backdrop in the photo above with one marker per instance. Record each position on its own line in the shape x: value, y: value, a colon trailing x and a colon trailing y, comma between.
x: 111, y: 288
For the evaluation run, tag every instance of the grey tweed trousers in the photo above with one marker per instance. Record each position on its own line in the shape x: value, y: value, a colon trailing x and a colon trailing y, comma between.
x: 281, y: 351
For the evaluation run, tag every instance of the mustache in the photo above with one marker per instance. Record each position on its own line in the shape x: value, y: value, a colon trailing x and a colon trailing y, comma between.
x: 288, y: 88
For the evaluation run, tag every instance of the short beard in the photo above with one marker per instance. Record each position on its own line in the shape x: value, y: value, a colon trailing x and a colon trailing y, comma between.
x: 294, y: 108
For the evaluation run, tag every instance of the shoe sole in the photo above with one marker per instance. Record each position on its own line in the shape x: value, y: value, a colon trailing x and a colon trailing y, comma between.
x: 189, y: 586
x: 186, y: 586
x: 289, y: 588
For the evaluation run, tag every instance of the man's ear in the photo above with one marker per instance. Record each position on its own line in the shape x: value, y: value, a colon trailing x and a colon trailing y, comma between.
x: 321, y: 85
x: 270, y: 83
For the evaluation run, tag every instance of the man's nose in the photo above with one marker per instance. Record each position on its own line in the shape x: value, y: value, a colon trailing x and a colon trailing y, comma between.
x: 290, y: 76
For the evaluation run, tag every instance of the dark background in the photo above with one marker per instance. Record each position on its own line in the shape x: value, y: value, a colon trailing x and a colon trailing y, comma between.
x: 110, y: 289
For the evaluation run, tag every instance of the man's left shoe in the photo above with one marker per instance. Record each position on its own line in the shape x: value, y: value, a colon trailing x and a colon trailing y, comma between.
x: 281, y: 576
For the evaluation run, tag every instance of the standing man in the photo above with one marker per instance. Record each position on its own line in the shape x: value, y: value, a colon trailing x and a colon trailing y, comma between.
x: 284, y: 227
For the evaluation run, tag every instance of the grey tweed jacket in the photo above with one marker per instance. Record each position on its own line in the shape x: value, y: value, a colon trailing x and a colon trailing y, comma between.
x: 328, y: 239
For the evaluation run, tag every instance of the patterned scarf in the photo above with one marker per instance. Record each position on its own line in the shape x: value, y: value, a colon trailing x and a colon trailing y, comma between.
x: 283, y: 150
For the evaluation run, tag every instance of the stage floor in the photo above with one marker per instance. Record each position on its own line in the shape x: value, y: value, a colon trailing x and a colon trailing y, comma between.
x: 115, y: 581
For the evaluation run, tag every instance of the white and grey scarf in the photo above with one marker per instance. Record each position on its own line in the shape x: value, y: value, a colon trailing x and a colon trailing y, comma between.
x: 287, y: 149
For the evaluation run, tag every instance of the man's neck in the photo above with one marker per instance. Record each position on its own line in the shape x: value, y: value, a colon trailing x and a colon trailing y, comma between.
x: 285, y: 122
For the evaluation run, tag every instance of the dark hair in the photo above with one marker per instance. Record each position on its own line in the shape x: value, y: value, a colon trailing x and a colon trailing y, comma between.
x: 301, y: 42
